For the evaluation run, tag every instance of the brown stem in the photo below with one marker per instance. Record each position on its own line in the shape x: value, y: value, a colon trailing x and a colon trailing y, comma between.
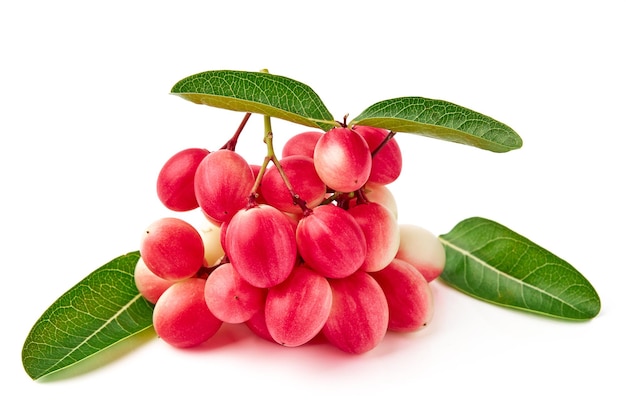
x: 361, y: 198
x: 232, y: 142
x: 383, y: 143
x: 205, y: 271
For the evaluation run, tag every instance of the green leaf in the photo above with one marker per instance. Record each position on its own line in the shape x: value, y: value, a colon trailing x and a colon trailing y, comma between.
x: 491, y: 262
x: 441, y: 120
x: 100, y: 311
x: 257, y: 92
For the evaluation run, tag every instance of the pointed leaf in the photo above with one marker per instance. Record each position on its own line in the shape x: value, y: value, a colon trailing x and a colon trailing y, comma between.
x: 491, y: 262
x: 257, y: 92
x: 101, y: 310
x: 441, y: 120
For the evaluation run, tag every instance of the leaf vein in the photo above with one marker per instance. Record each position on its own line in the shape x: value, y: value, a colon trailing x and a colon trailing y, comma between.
x: 503, y: 275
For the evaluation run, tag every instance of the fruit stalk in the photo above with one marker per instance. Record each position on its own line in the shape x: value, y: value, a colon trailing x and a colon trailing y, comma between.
x: 231, y: 144
x: 271, y: 156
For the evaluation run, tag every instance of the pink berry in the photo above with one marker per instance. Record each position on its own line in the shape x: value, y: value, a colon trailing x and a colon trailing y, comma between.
x: 296, y: 309
x: 331, y: 241
x: 258, y: 326
x: 261, y: 244
x: 387, y: 162
x: 359, y: 315
x: 222, y: 184
x: 229, y: 297
x: 382, y: 234
x: 342, y: 159
x: 175, y: 183
x: 409, y: 296
x: 302, y: 144
x: 379, y: 193
x: 181, y: 317
x: 172, y: 249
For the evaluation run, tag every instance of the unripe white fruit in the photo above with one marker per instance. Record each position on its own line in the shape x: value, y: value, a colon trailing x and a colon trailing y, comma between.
x: 213, y: 250
x: 422, y: 249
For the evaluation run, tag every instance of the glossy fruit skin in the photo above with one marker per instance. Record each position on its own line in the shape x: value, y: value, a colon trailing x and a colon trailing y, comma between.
x: 342, y: 159
x: 297, y: 309
x: 258, y: 326
x: 222, y: 184
x: 149, y: 285
x: 359, y: 316
x: 331, y: 241
x: 379, y: 193
x: 300, y: 170
x: 301, y: 144
x: 181, y: 317
x: 382, y: 234
x: 261, y: 245
x: 408, y: 294
x: 172, y: 248
x: 231, y: 298
x: 387, y: 162
x: 175, y: 182
x: 422, y: 249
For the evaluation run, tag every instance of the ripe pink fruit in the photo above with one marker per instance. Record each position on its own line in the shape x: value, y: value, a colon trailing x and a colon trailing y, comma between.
x: 331, y: 241
x: 342, y: 159
x: 387, y: 162
x: 359, y: 315
x: 380, y: 194
x: 261, y: 245
x: 422, y: 249
x: 296, y: 309
x: 257, y: 325
x: 229, y: 297
x: 175, y: 186
x: 172, y: 249
x: 181, y: 317
x: 382, y: 234
x: 303, y: 178
x: 222, y: 184
x: 302, y: 144
x: 409, y: 296
x: 149, y: 285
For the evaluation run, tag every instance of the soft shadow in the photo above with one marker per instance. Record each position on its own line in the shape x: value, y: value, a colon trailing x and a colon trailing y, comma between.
x: 228, y: 334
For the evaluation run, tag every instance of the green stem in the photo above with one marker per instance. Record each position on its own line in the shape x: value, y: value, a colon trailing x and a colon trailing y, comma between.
x: 268, y: 140
x: 271, y: 156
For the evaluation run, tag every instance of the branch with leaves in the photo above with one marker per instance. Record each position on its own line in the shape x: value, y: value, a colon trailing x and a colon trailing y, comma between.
x: 483, y: 259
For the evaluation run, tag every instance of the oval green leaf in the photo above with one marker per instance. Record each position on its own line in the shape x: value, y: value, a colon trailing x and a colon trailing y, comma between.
x: 98, y: 312
x: 257, y: 92
x: 441, y: 120
x: 491, y: 262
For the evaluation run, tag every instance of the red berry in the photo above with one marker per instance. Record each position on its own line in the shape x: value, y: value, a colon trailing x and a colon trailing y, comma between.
x: 342, y: 159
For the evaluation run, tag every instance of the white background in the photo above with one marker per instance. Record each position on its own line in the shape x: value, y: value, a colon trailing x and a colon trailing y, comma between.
x: 87, y: 121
